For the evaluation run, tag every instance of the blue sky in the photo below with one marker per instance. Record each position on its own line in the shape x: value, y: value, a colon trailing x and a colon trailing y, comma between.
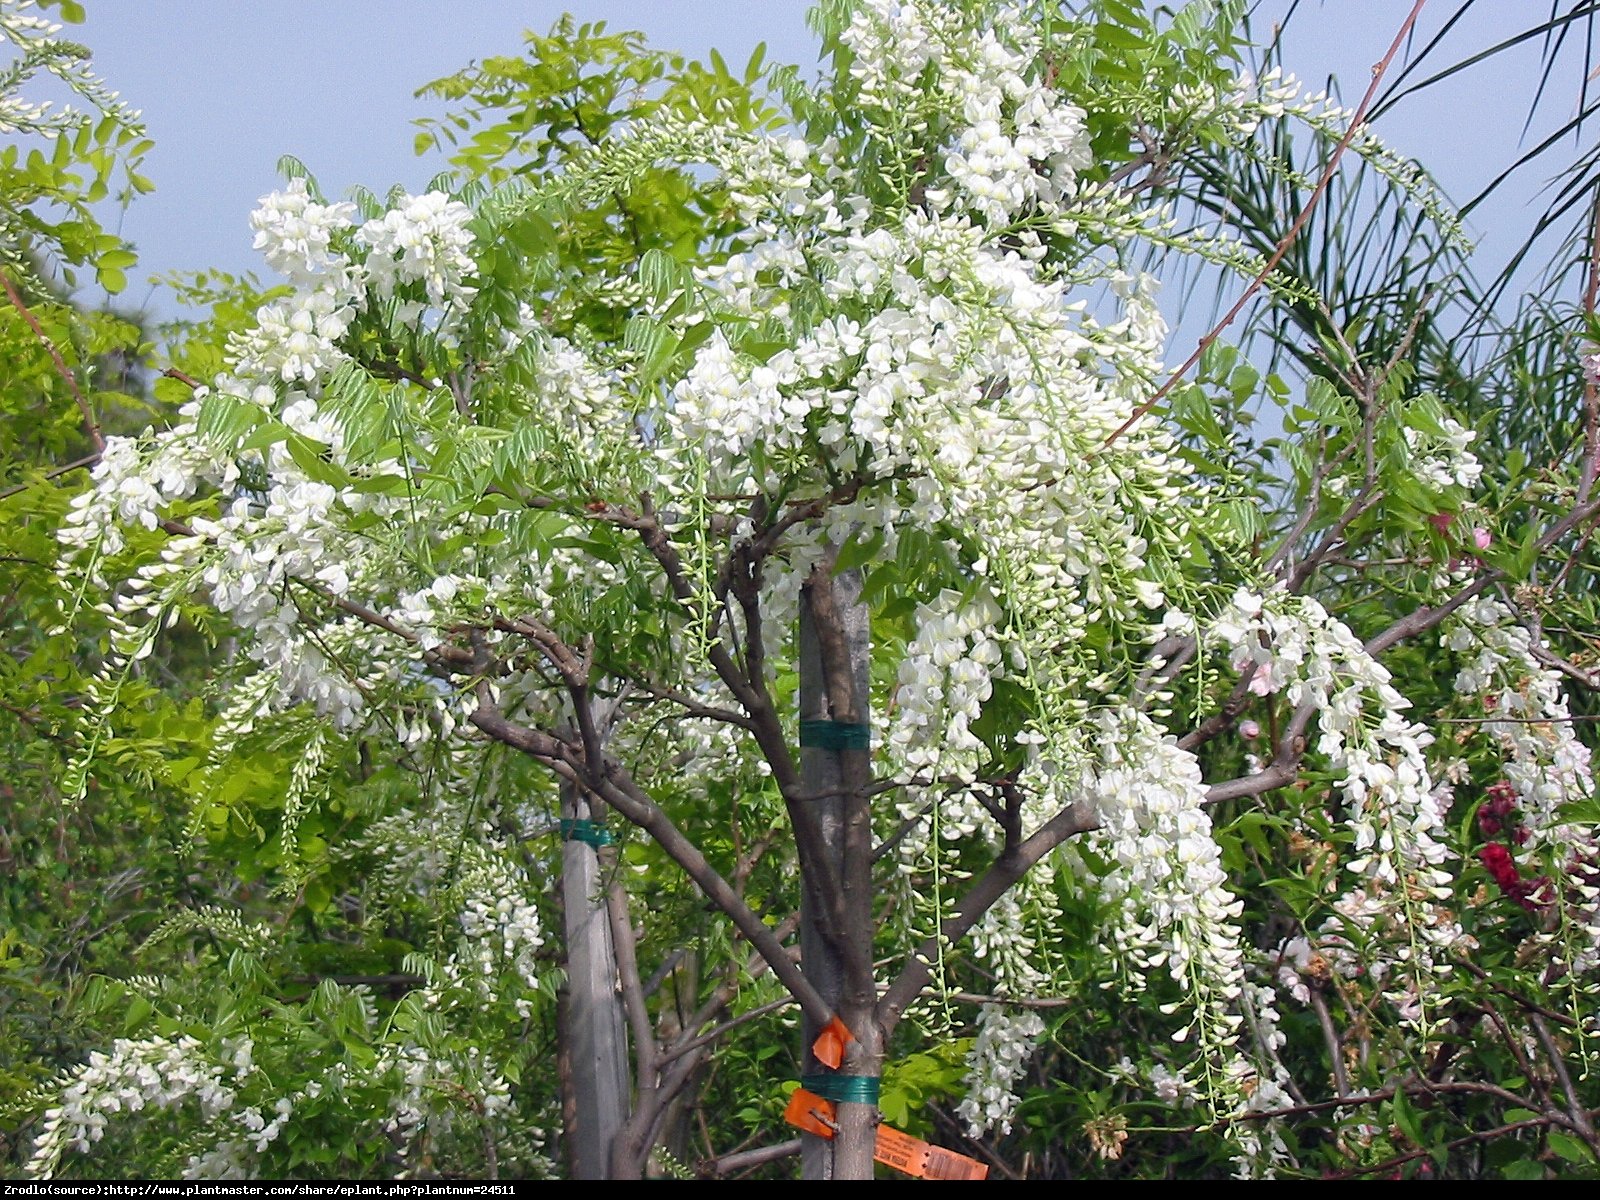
x: 227, y: 86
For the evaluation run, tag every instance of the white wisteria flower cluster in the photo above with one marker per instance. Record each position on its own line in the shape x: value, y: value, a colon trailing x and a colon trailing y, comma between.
x: 1295, y: 646
x: 1526, y: 710
x: 1005, y: 1042
x: 1527, y: 715
x: 154, y: 1073
x: 424, y: 240
x: 1395, y: 811
x: 1175, y: 909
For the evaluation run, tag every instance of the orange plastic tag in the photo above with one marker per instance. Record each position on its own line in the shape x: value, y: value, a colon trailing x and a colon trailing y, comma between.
x: 810, y: 1112
x: 830, y: 1044
x: 922, y: 1161
x: 803, y: 1111
x: 947, y: 1164
x: 901, y: 1151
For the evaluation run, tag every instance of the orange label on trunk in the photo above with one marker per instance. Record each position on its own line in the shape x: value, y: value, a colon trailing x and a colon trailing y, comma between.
x: 830, y: 1043
x: 810, y: 1112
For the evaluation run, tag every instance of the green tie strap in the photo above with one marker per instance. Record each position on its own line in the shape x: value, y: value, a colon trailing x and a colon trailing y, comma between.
x: 590, y: 833
x: 843, y: 1089
x: 835, y: 735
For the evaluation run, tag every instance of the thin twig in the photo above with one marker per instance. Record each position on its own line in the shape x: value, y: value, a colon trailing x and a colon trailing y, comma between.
x: 1558, y: 1063
x: 705, y: 1039
x: 1330, y: 1034
x: 182, y: 377
x: 1428, y: 1151
x: 88, y: 460
x: 1288, y: 238
x: 91, y: 426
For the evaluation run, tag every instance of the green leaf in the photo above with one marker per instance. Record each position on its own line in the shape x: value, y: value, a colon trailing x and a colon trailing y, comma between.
x: 663, y: 277
x: 138, y: 1011
x: 857, y: 552
x: 654, y: 344
x: 311, y: 458
x: 1569, y: 1147
x: 1406, y: 1118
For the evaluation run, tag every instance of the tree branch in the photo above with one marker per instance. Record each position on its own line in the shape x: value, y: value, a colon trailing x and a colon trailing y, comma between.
x: 743, y: 1160
x: 90, y: 425
x: 1288, y: 238
x: 1001, y: 876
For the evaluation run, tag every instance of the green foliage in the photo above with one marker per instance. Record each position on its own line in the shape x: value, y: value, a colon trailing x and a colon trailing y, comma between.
x: 64, y: 162
x: 547, y: 111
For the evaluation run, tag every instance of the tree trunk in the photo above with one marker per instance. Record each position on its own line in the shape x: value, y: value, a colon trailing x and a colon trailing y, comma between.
x: 597, y: 1045
x: 835, y: 767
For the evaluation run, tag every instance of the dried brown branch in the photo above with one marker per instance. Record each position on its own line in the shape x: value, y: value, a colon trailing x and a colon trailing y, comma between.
x: 1288, y: 238
x: 744, y: 1160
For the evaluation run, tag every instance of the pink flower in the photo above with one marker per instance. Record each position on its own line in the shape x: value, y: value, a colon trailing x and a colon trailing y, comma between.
x: 1441, y: 521
x: 1502, y: 797
x: 1249, y: 730
x: 1480, y: 537
x: 1261, y: 681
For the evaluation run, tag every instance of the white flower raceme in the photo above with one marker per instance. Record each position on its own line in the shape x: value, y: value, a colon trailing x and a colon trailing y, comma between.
x: 1527, y: 714
x: 1005, y: 1042
x: 1175, y: 909
x: 1526, y: 711
x: 39, y: 51
x: 296, y: 340
x: 731, y: 403
x: 422, y: 1108
x: 226, y: 1160
x: 500, y: 919
x: 157, y: 1073
x: 1395, y: 811
x: 295, y: 234
x: 1294, y: 646
x: 1261, y: 1148
x: 423, y: 239
x: 945, y: 677
x: 497, y: 913
x: 1443, y: 460
x: 1006, y: 946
